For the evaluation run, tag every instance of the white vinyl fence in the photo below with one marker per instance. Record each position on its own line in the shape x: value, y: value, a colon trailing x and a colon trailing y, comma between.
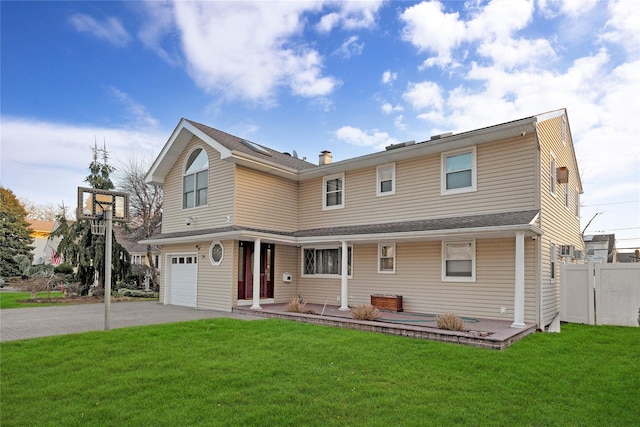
x: 600, y: 294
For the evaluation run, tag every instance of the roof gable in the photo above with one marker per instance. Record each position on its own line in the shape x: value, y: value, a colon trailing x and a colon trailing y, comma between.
x: 229, y: 146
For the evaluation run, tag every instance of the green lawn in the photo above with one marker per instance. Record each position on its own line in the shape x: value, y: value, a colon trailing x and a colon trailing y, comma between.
x: 10, y: 299
x: 277, y: 372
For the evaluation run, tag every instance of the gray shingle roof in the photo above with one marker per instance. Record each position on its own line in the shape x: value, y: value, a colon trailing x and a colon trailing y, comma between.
x: 473, y: 221
x: 505, y: 219
x: 235, y: 143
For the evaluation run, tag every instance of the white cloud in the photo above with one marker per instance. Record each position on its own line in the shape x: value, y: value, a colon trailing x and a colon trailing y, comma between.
x: 431, y: 30
x: 387, y: 108
x: 572, y: 8
x: 59, y: 155
x: 622, y: 27
x: 424, y: 95
x: 388, y: 77
x: 111, y: 29
x: 376, y: 139
x: 350, y: 48
x: 248, y: 49
x: 351, y: 15
x: 158, y: 24
x: 399, y: 123
x: 434, y: 31
x: 139, y: 115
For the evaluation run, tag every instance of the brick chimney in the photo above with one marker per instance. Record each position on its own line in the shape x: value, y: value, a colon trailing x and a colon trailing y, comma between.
x: 325, y: 158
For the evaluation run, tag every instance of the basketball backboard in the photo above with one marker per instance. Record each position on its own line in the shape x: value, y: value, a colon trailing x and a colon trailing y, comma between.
x: 93, y: 202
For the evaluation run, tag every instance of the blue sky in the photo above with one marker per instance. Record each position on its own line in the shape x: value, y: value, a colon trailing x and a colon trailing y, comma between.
x: 348, y: 77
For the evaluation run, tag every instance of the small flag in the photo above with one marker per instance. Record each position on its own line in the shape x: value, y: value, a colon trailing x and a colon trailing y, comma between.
x: 55, y: 259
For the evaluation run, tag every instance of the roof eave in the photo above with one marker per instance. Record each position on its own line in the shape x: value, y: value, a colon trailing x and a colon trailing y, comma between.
x: 174, y: 146
x: 518, y: 128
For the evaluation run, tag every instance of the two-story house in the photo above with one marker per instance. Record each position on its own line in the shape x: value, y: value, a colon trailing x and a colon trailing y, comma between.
x: 474, y: 223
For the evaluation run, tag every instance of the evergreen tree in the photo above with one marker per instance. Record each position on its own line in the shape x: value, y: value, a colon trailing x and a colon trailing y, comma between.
x: 15, y: 234
x: 80, y: 247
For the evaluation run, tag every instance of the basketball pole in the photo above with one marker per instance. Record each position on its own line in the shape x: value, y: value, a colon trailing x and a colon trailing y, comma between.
x: 107, y: 268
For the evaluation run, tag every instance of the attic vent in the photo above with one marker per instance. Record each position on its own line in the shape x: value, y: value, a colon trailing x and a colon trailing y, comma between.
x: 399, y: 145
x: 562, y: 174
x: 255, y: 147
x: 442, y: 135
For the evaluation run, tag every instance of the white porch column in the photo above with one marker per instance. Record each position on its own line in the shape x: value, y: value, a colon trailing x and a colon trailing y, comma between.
x: 518, y: 305
x: 256, y: 275
x: 344, y: 288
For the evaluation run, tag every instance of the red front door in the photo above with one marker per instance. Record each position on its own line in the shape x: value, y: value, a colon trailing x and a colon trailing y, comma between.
x: 245, y: 270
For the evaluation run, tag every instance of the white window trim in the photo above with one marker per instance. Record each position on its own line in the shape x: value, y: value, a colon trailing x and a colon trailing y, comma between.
x: 213, y: 262
x: 445, y: 278
x: 184, y: 171
x: 325, y: 276
x: 324, y: 191
x: 379, y: 193
x: 553, y: 261
x: 443, y: 171
x: 380, y: 270
x: 553, y: 166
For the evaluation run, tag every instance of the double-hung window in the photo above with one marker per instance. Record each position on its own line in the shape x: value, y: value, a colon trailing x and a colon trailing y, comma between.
x: 386, y: 180
x: 325, y: 261
x: 333, y: 192
x: 458, y: 171
x: 459, y: 261
x: 386, y: 258
x: 195, y: 181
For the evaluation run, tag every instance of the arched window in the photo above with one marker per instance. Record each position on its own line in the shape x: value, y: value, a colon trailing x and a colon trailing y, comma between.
x: 195, y: 182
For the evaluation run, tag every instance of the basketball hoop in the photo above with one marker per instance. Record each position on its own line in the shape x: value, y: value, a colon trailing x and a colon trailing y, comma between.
x: 98, y: 227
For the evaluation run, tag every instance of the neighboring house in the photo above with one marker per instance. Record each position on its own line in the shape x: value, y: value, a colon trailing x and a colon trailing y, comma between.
x: 601, y: 248
x: 137, y: 251
x: 474, y: 223
x: 628, y: 256
x: 42, y: 249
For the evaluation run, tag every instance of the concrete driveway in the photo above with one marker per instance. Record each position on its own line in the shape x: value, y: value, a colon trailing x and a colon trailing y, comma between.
x: 23, y: 323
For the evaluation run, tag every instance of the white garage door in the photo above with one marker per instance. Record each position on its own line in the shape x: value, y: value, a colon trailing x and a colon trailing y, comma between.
x: 182, y: 280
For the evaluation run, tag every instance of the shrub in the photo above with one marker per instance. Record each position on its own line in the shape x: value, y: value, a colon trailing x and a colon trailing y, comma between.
x: 451, y: 322
x: 64, y: 268
x: 136, y: 293
x: 296, y: 304
x: 365, y: 312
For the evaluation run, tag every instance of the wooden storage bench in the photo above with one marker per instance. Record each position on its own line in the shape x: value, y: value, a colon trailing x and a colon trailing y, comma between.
x: 387, y: 302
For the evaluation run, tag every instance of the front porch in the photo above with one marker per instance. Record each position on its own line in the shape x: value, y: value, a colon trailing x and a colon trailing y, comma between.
x: 483, y: 333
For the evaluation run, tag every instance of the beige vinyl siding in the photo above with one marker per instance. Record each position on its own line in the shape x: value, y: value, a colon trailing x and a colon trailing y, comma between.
x: 219, y: 198
x: 418, y: 280
x: 559, y: 223
x: 286, y: 260
x: 215, y: 285
x: 506, y: 181
x: 265, y: 201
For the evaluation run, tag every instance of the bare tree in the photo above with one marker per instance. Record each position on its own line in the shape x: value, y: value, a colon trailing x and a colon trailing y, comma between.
x: 35, y: 212
x: 145, y: 205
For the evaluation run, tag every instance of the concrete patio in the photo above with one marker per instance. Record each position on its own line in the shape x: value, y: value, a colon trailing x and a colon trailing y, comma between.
x: 483, y: 333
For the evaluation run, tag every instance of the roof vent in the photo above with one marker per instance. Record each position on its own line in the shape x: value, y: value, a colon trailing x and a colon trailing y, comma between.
x: 442, y: 135
x: 399, y: 145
